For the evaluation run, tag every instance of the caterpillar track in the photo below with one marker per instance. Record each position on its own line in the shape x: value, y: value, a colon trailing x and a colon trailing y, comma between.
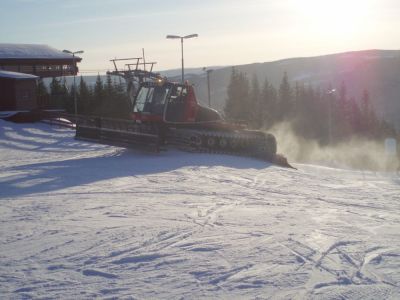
x: 247, y: 143
x: 164, y: 113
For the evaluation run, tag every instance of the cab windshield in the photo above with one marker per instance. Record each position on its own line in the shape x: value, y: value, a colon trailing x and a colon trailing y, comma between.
x: 151, y: 99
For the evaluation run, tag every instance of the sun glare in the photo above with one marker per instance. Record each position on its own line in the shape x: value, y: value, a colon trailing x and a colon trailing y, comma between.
x: 339, y: 17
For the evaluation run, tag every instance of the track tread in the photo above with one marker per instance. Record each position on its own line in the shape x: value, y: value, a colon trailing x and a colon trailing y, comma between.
x: 247, y: 143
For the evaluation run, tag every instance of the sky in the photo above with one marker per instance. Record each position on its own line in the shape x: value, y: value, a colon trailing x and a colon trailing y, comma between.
x: 231, y: 32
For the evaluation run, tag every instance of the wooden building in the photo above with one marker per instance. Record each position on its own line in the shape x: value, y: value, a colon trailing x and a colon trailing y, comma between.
x: 17, y: 91
x: 39, y: 60
x: 20, y: 67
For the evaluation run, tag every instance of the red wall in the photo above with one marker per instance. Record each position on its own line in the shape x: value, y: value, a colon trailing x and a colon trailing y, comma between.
x: 7, y: 94
x: 17, y: 94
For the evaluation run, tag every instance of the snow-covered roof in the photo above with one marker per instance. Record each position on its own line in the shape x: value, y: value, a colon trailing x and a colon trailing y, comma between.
x: 16, y: 75
x: 31, y: 51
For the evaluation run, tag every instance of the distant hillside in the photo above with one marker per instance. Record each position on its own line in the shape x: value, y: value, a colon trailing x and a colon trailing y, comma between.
x: 378, y: 71
x: 189, y: 72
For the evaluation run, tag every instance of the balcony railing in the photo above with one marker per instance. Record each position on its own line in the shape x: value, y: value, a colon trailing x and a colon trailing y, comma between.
x: 42, y: 70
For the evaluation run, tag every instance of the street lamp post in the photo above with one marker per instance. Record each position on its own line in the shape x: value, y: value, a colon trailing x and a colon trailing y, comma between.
x: 182, y: 38
x: 73, y: 62
x: 208, y: 84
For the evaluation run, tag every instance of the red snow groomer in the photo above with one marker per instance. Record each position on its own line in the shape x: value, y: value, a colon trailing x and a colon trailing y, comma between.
x: 167, y: 113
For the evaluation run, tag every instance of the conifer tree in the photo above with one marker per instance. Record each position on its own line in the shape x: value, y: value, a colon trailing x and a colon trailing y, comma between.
x: 230, y: 103
x: 58, y: 93
x: 109, y: 88
x: 302, y: 111
x: 85, y: 98
x: 296, y: 99
x: 355, y: 116
x: 64, y: 94
x: 368, y: 117
x: 236, y: 107
x: 124, y: 99
x: 343, y: 102
x: 120, y: 105
x: 268, y: 101
x: 42, y: 94
x: 285, y: 99
x: 343, y: 113
x: 98, y: 95
x: 55, y: 86
x: 255, y: 113
x: 70, y: 106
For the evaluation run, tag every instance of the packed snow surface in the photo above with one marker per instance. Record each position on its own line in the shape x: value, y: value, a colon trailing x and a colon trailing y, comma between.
x: 81, y: 220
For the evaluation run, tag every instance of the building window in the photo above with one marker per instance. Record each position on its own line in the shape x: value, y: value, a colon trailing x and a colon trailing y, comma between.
x: 67, y: 67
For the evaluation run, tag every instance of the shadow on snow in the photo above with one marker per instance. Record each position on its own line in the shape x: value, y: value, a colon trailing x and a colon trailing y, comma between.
x: 45, y: 177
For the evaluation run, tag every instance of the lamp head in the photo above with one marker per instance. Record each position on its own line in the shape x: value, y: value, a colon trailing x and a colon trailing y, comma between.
x: 191, y: 36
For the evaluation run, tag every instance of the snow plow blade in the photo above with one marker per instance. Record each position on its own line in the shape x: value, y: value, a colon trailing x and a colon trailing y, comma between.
x: 116, y: 132
x: 282, y: 161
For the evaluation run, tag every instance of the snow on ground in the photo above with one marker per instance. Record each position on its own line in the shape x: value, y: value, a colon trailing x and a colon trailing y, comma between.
x: 81, y: 220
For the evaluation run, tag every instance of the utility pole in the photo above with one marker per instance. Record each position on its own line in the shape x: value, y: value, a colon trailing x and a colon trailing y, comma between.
x: 208, y: 71
x: 330, y: 99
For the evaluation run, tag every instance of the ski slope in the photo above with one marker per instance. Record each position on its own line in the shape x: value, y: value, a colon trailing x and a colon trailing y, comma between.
x: 81, y: 220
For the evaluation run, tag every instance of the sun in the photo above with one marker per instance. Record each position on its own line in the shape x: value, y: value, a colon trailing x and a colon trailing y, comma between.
x: 338, y: 17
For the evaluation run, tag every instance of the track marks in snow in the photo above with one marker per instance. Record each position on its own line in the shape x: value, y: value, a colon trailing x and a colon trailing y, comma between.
x: 113, y: 291
x: 220, y: 277
x: 334, y: 290
x: 57, y: 267
x: 228, y: 274
x: 208, y: 216
x: 385, y: 266
x: 91, y: 272
x: 351, y: 265
x: 303, y: 253
x: 151, y: 253
x: 331, y: 248
x: 138, y: 259
x: 26, y: 289
x: 159, y: 242
x: 347, y: 268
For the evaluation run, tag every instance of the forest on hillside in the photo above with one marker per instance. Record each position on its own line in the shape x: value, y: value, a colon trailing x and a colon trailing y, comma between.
x: 325, y: 115
x: 105, y: 99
